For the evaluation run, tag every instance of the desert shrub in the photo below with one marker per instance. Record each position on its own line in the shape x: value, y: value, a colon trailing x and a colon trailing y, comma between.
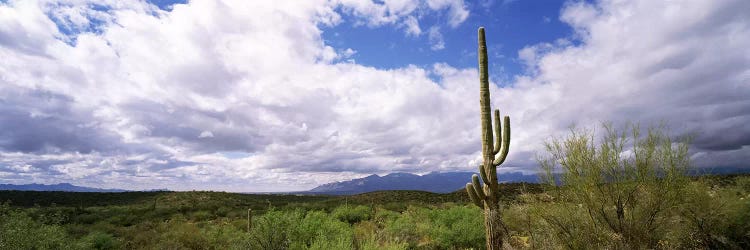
x: 99, y: 240
x: 743, y: 184
x: 317, y: 229
x: 717, y: 218
x: 272, y: 230
x: 457, y: 227
x: 395, y: 206
x: 352, y: 214
x: 139, y: 236
x: 19, y: 231
x: 411, y: 227
x: 223, y: 234
x: 201, y: 215
x: 372, y: 242
x: 371, y: 234
x: 180, y: 234
x: 626, y: 185
x: 526, y: 229
x: 124, y: 219
x: 53, y: 215
x: 222, y: 212
x: 383, y: 216
x: 335, y: 242
x: 568, y: 225
x: 88, y: 218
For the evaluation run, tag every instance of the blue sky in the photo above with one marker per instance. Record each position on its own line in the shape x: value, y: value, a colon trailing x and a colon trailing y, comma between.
x: 245, y: 96
x: 510, y: 25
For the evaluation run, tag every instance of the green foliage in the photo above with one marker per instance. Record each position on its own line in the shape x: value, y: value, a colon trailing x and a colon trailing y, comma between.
x: 317, y: 229
x: 99, y: 240
x: 19, y: 231
x: 372, y: 243
x: 272, y: 230
x: 176, y: 234
x: 352, y: 214
x: 409, y: 227
x: 715, y: 218
x: 628, y: 194
x: 712, y: 212
x: 457, y: 226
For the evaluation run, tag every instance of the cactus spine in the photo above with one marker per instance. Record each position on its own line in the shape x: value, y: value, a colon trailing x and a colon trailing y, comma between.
x: 485, y: 195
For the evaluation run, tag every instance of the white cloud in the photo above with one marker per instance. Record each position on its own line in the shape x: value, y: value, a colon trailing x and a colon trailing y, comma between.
x: 348, y: 52
x: 206, y: 134
x: 122, y: 107
x: 643, y: 61
x: 457, y: 8
x: 412, y: 26
x: 404, y: 13
x: 436, y: 38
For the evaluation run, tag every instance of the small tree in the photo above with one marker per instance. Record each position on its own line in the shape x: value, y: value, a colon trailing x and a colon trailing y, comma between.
x: 627, y: 183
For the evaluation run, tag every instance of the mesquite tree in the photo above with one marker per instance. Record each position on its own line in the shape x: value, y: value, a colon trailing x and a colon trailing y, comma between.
x: 485, y: 195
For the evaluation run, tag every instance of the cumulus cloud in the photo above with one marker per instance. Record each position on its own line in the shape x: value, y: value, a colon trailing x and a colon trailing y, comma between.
x: 404, y: 13
x: 149, y: 98
x: 436, y: 38
x: 649, y: 63
x: 458, y: 12
x: 412, y: 26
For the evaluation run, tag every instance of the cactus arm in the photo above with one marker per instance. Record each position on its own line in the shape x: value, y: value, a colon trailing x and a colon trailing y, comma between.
x: 478, y: 187
x: 506, y: 143
x: 498, y: 136
x: 483, y: 174
x: 473, y: 195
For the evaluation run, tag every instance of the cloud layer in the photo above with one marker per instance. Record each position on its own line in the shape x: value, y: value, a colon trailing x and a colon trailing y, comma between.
x: 247, y: 96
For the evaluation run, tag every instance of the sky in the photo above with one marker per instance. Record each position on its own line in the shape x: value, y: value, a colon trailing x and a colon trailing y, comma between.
x: 263, y: 96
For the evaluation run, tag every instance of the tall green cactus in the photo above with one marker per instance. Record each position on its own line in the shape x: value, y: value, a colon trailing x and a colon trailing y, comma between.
x: 249, y: 219
x: 485, y: 195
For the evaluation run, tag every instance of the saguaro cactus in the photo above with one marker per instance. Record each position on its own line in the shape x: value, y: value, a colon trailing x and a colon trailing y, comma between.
x: 249, y: 219
x: 485, y: 195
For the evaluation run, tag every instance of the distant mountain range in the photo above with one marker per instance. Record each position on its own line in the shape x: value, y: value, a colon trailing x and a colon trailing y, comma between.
x: 452, y: 181
x: 432, y: 182
x: 66, y: 187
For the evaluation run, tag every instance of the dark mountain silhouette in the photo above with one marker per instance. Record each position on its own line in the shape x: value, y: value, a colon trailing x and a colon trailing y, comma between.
x: 451, y: 181
x: 432, y: 182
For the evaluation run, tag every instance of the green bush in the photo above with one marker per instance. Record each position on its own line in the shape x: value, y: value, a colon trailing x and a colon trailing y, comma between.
x: 410, y: 227
x: 201, y: 215
x: 717, y: 218
x: 627, y: 185
x: 19, y: 231
x: 272, y: 230
x: 372, y: 243
x: 353, y: 214
x: 99, y: 240
x: 223, y: 234
x: 180, y: 234
x: 317, y: 229
x: 457, y: 227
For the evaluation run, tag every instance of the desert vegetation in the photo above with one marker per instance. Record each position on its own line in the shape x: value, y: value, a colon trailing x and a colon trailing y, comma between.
x: 710, y: 212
